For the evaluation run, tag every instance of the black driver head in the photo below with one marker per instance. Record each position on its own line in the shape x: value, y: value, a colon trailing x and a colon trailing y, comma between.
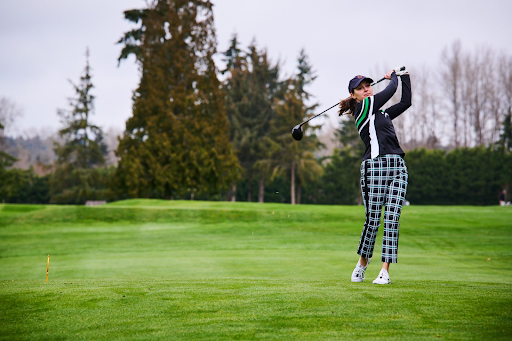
x: 297, y: 132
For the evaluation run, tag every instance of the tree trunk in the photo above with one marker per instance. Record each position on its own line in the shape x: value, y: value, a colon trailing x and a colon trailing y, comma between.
x: 298, y: 194
x: 261, y: 188
x: 233, y: 193
x: 293, y: 183
x: 249, y: 190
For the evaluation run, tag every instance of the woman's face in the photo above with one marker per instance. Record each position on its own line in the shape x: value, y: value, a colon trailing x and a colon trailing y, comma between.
x: 362, y: 91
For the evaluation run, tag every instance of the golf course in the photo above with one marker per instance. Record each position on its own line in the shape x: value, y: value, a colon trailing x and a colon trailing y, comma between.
x: 194, y: 270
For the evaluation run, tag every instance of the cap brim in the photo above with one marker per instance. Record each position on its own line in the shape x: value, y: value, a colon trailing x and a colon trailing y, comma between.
x: 367, y: 78
x: 360, y: 81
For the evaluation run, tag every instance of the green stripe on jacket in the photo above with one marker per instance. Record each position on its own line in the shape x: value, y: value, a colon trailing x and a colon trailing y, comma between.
x: 366, y: 105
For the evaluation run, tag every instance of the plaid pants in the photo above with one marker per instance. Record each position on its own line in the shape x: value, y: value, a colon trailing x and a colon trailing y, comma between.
x: 383, y: 182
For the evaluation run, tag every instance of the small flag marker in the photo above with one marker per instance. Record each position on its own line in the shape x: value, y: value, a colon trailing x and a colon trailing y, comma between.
x: 47, y: 267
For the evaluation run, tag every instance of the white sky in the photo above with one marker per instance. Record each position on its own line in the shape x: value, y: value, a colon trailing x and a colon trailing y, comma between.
x: 43, y: 45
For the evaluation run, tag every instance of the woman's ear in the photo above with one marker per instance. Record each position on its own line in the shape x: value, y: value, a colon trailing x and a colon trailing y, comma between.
x: 352, y: 95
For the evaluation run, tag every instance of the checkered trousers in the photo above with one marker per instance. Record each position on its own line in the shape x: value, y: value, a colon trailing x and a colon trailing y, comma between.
x: 383, y: 182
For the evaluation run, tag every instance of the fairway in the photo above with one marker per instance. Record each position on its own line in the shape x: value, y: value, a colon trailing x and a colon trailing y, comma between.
x: 163, y: 270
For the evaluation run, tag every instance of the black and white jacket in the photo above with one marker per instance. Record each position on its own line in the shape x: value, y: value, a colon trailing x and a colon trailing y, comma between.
x: 375, y: 126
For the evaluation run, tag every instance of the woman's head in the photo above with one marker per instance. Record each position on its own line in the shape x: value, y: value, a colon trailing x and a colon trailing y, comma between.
x: 359, y: 88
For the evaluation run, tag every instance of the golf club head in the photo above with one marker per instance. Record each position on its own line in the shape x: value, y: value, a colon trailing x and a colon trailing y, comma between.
x: 297, y: 132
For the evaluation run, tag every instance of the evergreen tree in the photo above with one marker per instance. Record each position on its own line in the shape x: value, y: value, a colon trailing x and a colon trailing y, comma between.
x: 23, y: 186
x: 305, y: 77
x: 178, y: 137
x: 286, y: 154
x: 344, y: 169
x: 266, y: 87
x: 83, y: 145
x: 236, y: 89
x: 74, y: 179
x: 233, y: 57
x: 505, y: 140
x: 349, y: 138
x: 339, y: 184
x: 249, y: 99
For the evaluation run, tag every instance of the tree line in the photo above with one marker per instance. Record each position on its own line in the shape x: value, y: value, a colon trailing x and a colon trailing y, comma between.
x: 193, y: 136
x: 462, y: 102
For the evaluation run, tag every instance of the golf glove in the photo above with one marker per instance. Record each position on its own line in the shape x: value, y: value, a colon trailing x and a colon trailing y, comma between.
x: 400, y: 70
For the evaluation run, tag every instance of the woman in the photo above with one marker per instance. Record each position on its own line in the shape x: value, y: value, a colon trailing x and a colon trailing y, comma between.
x: 383, y: 172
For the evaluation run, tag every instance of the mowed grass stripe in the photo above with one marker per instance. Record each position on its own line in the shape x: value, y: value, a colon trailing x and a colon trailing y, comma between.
x: 253, y: 308
x: 123, y: 240
x: 210, y: 270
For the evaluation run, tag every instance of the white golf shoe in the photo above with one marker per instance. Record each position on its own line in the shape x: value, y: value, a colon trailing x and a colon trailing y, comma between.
x: 382, y: 278
x: 358, y: 273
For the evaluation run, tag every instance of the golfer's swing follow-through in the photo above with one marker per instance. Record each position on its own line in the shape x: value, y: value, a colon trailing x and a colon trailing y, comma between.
x: 384, y: 174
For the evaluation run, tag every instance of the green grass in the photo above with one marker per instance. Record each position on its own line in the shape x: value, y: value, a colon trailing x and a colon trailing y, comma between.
x: 159, y: 270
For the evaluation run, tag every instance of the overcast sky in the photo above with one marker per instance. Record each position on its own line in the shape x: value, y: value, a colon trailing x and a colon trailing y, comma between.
x: 43, y: 45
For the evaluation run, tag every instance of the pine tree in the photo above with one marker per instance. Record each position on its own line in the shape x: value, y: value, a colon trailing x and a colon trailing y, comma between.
x: 249, y: 98
x: 177, y: 139
x: 236, y: 89
x: 75, y: 178
x: 286, y: 154
x: 349, y: 138
x: 265, y: 89
x: 83, y: 141
x: 505, y: 140
x: 233, y: 57
x: 305, y: 77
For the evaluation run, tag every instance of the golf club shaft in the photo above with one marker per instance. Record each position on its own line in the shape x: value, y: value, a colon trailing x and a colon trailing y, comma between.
x: 319, y: 114
x: 380, y: 80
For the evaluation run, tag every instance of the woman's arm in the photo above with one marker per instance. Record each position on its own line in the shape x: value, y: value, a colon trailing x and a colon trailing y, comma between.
x: 385, y: 95
x: 405, y: 102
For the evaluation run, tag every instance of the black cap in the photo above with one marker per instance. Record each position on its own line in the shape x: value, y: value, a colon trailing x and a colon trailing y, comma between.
x: 354, y: 82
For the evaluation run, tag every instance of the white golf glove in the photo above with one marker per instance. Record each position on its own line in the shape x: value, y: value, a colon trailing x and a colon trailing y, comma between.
x: 400, y: 70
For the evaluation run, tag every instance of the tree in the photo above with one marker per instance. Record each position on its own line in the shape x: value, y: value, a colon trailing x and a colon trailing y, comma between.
x: 6, y: 160
x: 250, y: 93
x: 74, y: 179
x: 9, y: 112
x: 452, y: 77
x: 177, y: 139
x: 340, y: 182
x: 505, y: 71
x: 505, y: 140
x: 424, y: 120
x: 83, y: 145
x: 233, y: 57
x: 478, y: 90
x: 265, y: 86
x: 236, y: 88
x: 307, y: 169
x: 23, y: 186
x: 286, y: 154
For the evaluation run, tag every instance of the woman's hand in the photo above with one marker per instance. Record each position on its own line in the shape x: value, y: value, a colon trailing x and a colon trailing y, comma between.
x: 400, y: 71
x: 388, y: 75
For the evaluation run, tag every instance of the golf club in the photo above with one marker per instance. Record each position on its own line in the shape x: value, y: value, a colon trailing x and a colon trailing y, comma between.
x: 297, y: 131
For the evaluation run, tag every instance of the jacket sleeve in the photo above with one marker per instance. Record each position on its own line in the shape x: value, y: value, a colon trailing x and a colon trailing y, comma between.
x: 385, y: 95
x: 405, y: 102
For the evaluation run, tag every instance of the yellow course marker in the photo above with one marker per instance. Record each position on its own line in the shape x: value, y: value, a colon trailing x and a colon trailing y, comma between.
x: 47, y: 267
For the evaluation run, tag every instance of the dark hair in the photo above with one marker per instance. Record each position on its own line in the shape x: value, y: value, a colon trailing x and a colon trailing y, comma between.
x: 347, y: 106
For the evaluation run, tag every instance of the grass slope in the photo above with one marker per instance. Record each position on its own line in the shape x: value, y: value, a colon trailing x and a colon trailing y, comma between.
x: 150, y: 269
